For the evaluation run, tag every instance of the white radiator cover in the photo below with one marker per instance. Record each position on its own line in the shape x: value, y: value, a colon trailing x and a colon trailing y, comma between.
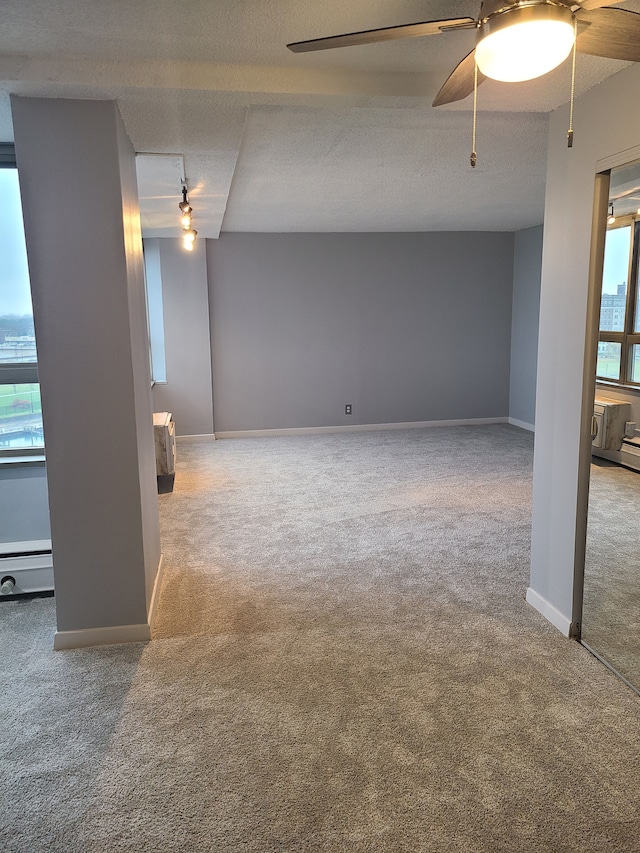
x: 30, y: 564
x: 630, y: 453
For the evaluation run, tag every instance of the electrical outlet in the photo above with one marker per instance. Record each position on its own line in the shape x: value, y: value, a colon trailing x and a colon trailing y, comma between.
x: 347, y: 409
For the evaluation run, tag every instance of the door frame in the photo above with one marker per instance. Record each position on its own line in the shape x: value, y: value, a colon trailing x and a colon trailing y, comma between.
x: 596, y: 263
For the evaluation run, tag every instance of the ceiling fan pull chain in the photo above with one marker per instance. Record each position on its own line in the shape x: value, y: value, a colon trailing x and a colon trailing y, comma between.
x: 474, y: 157
x: 573, y: 84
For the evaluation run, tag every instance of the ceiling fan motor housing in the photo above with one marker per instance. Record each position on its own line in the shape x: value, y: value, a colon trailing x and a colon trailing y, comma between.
x: 495, y: 9
x: 524, y: 39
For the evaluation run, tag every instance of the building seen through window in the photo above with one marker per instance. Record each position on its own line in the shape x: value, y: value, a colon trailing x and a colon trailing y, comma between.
x: 619, y: 338
x: 20, y: 406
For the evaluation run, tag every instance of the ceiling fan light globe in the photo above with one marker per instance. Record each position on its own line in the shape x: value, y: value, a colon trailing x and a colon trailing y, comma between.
x: 525, y: 42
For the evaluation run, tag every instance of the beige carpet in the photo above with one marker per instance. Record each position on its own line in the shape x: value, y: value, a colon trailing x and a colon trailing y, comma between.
x: 343, y: 661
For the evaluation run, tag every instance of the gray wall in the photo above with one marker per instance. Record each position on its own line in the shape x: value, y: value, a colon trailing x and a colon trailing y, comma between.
x: 405, y: 327
x: 87, y: 285
x: 24, y: 506
x: 527, y: 268
x: 187, y: 392
x: 605, y: 126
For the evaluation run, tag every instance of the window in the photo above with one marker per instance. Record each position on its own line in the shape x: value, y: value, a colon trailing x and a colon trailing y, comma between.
x: 20, y: 407
x: 619, y: 338
x: 155, y: 311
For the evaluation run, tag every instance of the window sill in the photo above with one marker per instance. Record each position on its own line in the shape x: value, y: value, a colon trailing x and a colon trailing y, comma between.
x: 17, y: 461
x: 602, y: 383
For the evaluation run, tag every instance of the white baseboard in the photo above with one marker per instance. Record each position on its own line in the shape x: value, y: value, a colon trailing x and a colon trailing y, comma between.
x: 101, y: 636
x: 557, y: 619
x: 153, y: 605
x: 266, y: 433
x: 522, y: 424
x: 113, y: 634
x: 204, y: 437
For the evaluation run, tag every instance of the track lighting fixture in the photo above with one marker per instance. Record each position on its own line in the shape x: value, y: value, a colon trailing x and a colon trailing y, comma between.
x: 184, y: 205
x: 611, y: 218
x: 188, y: 233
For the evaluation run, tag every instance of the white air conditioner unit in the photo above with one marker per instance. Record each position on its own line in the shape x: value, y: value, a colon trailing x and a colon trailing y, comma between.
x: 164, y: 431
x: 608, y: 425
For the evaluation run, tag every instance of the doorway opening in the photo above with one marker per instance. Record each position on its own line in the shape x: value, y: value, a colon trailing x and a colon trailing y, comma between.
x: 608, y: 587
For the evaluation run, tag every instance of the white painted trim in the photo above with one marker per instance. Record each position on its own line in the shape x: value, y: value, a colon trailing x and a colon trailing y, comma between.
x: 101, y: 636
x: 205, y: 437
x: 266, y: 433
x: 17, y: 460
x: 27, y: 546
x: 522, y: 424
x: 557, y: 619
x: 114, y: 634
x: 621, y: 158
x: 153, y: 605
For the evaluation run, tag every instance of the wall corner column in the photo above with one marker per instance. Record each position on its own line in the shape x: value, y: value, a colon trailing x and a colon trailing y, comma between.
x: 82, y: 227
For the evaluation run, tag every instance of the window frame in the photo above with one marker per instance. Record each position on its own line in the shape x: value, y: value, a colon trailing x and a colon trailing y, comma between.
x: 17, y: 373
x: 627, y: 337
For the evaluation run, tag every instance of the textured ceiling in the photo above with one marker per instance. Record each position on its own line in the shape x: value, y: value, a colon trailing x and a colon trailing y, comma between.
x: 343, y: 140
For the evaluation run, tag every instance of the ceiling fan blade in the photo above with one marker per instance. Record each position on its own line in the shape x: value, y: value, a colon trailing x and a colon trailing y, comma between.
x: 459, y: 83
x: 403, y: 31
x: 614, y: 33
x: 589, y: 5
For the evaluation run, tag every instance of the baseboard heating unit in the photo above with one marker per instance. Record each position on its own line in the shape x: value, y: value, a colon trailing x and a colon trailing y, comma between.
x: 630, y: 453
x: 26, y: 568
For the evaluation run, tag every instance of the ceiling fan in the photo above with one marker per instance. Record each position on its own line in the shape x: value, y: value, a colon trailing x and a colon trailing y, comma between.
x: 516, y: 39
